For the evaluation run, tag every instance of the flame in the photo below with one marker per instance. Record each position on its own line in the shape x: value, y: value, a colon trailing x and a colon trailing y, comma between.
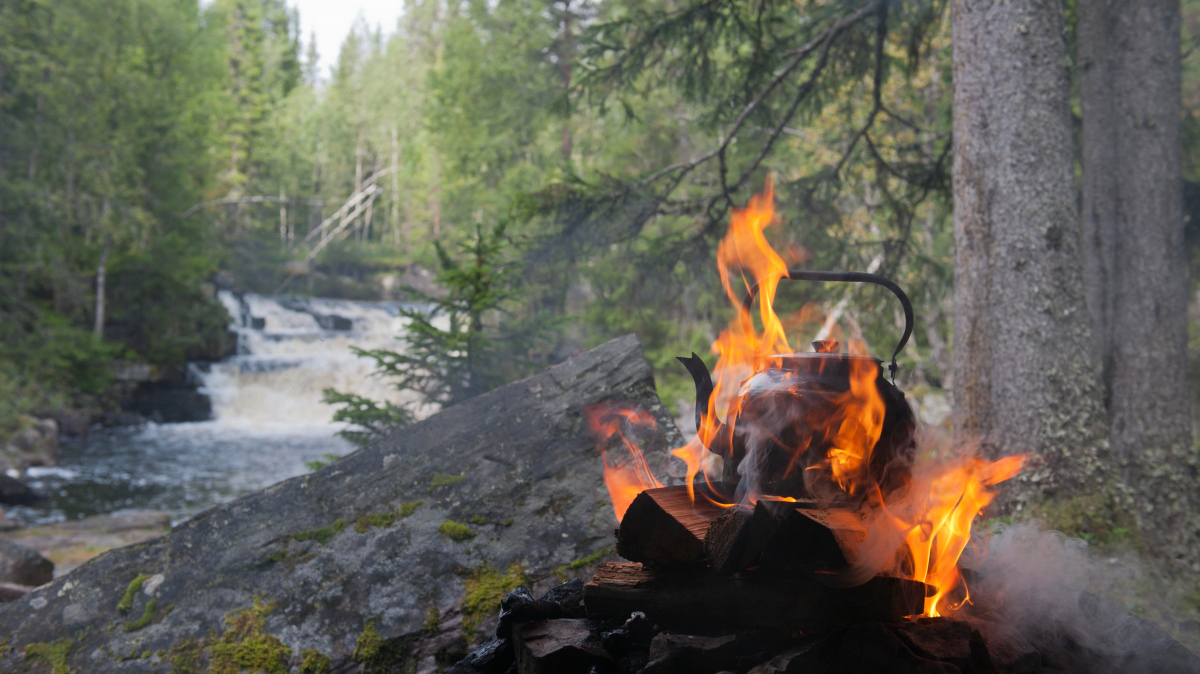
x: 928, y: 517
x: 623, y: 480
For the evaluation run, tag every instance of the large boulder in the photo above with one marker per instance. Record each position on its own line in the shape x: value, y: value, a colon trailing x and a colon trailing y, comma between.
x: 393, y: 558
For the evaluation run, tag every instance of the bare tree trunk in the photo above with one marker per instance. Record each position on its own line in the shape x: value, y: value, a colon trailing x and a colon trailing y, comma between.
x: 1134, y: 261
x: 1023, y: 379
x: 394, y: 212
x: 435, y: 197
x: 101, y: 271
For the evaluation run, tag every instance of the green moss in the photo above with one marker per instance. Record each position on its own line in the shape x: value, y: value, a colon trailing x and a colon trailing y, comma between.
x: 185, y: 657
x: 322, y: 535
x: 5, y: 647
x: 244, y: 645
x: 478, y: 519
x: 147, y: 616
x: 508, y: 522
x: 147, y: 654
x: 132, y: 589
x: 456, y: 531
x: 365, y: 522
x: 441, y: 480
x: 433, y: 621
x: 315, y: 662
x: 407, y: 509
x: 54, y: 654
x: 1094, y: 518
x: 486, y: 586
x: 369, y: 643
x: 277, y: 556
x: 561, y: 572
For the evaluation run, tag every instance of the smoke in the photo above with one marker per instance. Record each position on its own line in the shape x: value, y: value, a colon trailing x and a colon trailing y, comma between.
x: 1053, y: 588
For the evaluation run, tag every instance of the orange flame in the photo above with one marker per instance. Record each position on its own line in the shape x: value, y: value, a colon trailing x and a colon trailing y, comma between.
x: 623, y: 480
x: 930, y: 518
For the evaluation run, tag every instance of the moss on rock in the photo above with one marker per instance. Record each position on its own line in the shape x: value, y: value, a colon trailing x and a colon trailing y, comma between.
x: 367, y: 648
x: 244, y: 645
x: 365, y: 522
x: 185, y: 657
x: 456, y: 531
x: 315, y: 662
x: 147, y: 616
x: 441, y: 480
x: 322, y: 535
x: 54, y: 654
x: 131, y: 590
x: 407, y: 509
x: 486, y: 586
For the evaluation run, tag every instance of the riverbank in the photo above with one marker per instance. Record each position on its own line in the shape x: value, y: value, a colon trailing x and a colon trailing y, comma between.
x: 70, y: 544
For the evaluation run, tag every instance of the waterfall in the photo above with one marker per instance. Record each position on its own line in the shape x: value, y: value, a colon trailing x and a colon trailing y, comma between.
x: 291, y: 348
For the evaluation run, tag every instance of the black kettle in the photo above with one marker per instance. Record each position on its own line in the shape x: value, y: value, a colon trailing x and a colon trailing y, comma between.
x: 779, y: 443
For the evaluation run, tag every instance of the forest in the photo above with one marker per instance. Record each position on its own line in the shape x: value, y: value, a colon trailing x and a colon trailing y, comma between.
x: 557, y: 173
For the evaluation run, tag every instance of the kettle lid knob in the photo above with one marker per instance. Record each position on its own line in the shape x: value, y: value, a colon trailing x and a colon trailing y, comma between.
x: 826, y: 346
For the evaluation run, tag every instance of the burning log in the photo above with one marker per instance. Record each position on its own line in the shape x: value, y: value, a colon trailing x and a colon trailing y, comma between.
x: 663, y: 528
x: 734, y: 541
x: 822, y: 539
x: 788, y: 602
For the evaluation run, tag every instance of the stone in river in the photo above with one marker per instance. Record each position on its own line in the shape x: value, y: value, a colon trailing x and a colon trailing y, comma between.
x: 24, y: 566
x: 344, y: 564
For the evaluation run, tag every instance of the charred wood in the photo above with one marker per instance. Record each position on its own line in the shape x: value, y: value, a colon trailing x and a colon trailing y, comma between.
x: 662, y: 527
x: 747, y: 600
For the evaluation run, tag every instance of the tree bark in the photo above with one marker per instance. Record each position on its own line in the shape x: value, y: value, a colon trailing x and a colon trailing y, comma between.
x: 1024, y: 381
x: 101, y: 271
x: 1134, y: 262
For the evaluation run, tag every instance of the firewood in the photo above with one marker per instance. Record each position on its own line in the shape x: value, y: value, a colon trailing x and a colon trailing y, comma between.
x: 662, y: 527
x: 789, y: 602
x: 735, y: 540
x: 811, y: 539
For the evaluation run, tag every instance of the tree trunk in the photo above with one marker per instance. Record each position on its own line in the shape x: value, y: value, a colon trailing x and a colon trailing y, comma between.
x: 1022, y: 376
x: 101, y: 270
x: 1134, y: 262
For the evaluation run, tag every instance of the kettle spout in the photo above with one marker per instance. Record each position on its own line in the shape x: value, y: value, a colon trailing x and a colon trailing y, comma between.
x: 704, y: 388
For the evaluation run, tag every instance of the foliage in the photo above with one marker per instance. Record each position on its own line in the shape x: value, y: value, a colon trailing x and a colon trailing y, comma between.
x: 325, y: 460
x: 456, y: 348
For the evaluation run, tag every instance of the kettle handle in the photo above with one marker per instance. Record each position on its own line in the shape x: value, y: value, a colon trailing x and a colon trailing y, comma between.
x: 851, y: 277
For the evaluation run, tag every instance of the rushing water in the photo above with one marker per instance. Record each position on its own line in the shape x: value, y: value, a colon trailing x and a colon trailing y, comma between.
x: 269, y: 418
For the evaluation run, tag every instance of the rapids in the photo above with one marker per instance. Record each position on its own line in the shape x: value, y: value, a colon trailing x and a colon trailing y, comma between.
x: 268, y: 415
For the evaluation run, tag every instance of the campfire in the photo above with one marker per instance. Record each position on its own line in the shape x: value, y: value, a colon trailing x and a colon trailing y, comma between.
x: 813, y: 530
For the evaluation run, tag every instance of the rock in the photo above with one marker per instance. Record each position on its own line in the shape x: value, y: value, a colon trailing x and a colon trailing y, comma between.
x: 71, y: 422
x: 568, y: 646
x: 15, y: 492
x: 516, y: 467
x: 519, y: 606
x: 24, y: 566
x: 34, y: 444
x: 169, y: 402
x: 69, y: 544
x: 9, y: 524
x: 689, y: 654
x: 13, y: 591
x: 569, y: 598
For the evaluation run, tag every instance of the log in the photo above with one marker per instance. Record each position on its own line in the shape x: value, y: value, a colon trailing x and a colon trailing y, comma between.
x: 746, y: 600
x: 812, y: 539
x: 663, y: 528
x: 735, y: 540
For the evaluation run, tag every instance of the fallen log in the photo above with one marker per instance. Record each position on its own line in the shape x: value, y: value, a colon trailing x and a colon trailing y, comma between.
x: 746, y: 600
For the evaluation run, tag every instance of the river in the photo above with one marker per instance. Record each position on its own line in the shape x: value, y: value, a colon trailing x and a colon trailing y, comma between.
x: 268, y: 415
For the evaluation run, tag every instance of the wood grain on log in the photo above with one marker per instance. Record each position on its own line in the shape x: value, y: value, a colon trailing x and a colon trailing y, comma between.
x: 663, y: 527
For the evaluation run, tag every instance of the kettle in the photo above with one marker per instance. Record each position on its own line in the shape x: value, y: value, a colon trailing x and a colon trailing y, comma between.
x: 780, y: 440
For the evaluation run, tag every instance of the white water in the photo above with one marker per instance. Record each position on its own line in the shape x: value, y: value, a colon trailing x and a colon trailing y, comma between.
x: 269, y: 418
x: 290, y: 349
